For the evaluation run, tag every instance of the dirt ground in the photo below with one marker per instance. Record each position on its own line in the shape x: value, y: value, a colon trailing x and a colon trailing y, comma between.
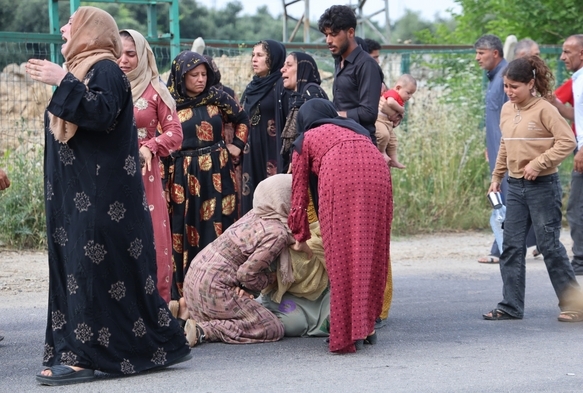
x: 26, y: 272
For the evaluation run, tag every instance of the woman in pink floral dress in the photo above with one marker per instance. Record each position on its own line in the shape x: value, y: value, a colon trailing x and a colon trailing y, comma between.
x: 155, y: 112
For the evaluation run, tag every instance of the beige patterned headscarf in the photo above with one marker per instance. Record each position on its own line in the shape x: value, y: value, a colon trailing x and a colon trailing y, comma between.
x: 272, y: 201
x: 147, y: 71
x: 94, y: 37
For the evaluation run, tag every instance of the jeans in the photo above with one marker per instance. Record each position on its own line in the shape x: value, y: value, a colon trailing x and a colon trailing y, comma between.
x: 538, y: 203
x: 497, y: 228
x: 575, y: 218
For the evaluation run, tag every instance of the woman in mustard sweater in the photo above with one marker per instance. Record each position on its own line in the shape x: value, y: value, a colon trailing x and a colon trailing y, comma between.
x: 535, y: 140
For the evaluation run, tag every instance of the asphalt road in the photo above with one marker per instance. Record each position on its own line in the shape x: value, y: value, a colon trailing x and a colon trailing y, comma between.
x: 435, y: 341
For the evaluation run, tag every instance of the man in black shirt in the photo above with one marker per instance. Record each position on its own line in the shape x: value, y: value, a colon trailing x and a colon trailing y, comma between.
x: 357, y: 76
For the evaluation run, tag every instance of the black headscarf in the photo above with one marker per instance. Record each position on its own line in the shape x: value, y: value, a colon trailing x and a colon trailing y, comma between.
x: 183, y: 63
x: 362, y: 43
x: 319, y: 111
x: 307, y: 73
x: 217, y: 82
x: 261, y: 86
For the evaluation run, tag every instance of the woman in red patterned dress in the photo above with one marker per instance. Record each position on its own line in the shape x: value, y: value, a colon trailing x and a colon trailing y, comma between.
x: 154, y: 110
x: 355, y: 208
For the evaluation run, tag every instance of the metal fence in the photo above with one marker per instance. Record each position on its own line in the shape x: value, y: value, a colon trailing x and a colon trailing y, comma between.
x: 23, y: 101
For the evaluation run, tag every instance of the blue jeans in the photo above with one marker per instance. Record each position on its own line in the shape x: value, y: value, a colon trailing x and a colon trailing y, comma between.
x: 538, y: 203
x: 575, y: 218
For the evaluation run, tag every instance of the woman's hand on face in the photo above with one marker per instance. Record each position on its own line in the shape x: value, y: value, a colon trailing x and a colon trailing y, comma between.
x: 529, y: 173
x: 46, y: 72
x: 494, y: 187
x: 147, y: 155
x: 303, y: 247
x: 233, y: 150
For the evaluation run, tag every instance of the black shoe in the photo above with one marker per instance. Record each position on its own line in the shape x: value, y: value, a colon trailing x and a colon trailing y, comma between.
x: 380, y: 323
x: 372, y: 339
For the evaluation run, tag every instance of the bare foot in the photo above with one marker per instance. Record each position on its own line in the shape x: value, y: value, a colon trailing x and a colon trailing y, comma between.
x: 49, y: 373
x: 396, y: 164
x: 182, y: 310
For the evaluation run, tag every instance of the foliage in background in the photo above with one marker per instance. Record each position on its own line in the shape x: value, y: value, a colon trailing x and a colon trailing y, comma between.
x: 226, y: 23
x: 545, y: 21
x: 447, y: 176
x: 22, y: 209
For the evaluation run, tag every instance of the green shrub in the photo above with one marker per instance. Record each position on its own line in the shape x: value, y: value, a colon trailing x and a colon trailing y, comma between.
x: 22, y: 210
x: 445, y: 183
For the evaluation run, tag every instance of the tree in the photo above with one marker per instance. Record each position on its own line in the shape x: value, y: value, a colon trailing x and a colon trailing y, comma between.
x: 545, y: 21
x: 405, y: 29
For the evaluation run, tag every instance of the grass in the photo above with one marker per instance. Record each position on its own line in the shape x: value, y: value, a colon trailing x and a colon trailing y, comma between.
x: 22, y: 211
x: 444, y: 185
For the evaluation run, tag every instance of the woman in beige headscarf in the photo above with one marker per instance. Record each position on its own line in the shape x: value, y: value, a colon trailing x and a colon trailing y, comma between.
x: 159, y: 134
x: 104, y: 311
x: 225, y: 276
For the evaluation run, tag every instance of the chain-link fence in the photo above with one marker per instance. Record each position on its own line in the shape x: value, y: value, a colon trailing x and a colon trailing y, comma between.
x: 441, y: 142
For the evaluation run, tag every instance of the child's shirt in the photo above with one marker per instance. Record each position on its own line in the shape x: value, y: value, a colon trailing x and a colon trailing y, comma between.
x: 394, y: 94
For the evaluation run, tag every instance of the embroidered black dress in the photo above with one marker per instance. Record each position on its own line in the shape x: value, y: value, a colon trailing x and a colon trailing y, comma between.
x: 265, y: 101
x: 104, y: 311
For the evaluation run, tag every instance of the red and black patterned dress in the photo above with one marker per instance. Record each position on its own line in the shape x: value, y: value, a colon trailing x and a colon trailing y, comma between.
x: 201, y: 175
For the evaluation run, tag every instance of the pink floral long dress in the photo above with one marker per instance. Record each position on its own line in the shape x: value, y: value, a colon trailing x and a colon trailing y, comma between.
x: 154, y: 117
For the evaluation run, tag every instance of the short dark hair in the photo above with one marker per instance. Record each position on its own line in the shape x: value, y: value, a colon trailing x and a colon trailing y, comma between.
x: 336, y: 18
x: 491, y: 42
x: 372, y: 45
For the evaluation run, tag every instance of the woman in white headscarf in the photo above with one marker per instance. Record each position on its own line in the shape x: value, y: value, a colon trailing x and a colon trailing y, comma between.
x: 159, y: 134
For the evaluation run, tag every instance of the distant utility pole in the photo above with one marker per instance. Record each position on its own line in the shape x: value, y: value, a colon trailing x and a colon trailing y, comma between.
x: 305, y: 20
x: 366, y: 19
x: 362, y: 20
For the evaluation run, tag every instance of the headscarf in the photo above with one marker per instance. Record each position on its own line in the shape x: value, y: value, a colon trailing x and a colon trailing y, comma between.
x: 217, y: 82
x: 261, y: 86
x: 319, y: 111
x: 146, y: 71
x: 272, y: 201
x: 94, y: 37
x: 362, y: 43
x: 183, y: 63
x: 217, y: 79
x: 307, y: 73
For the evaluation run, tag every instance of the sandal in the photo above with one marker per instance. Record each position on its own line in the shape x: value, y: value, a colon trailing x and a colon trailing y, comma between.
x: 65, y: 375
x: 371, y: 338
x: 497, y: 315
x: 570, y: 316
x: 489, y: 259
x: 194, y: 333
x: 536, y: 253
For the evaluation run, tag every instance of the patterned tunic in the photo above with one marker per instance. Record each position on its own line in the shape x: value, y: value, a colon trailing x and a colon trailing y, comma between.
x: 152, y: 114
x: 355, y: 212
x: 104, y: 311
x: 245, y: 254
x: 202, y: 182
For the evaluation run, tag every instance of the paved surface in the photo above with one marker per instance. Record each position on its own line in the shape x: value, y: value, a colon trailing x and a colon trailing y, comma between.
x: 436, y: 341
